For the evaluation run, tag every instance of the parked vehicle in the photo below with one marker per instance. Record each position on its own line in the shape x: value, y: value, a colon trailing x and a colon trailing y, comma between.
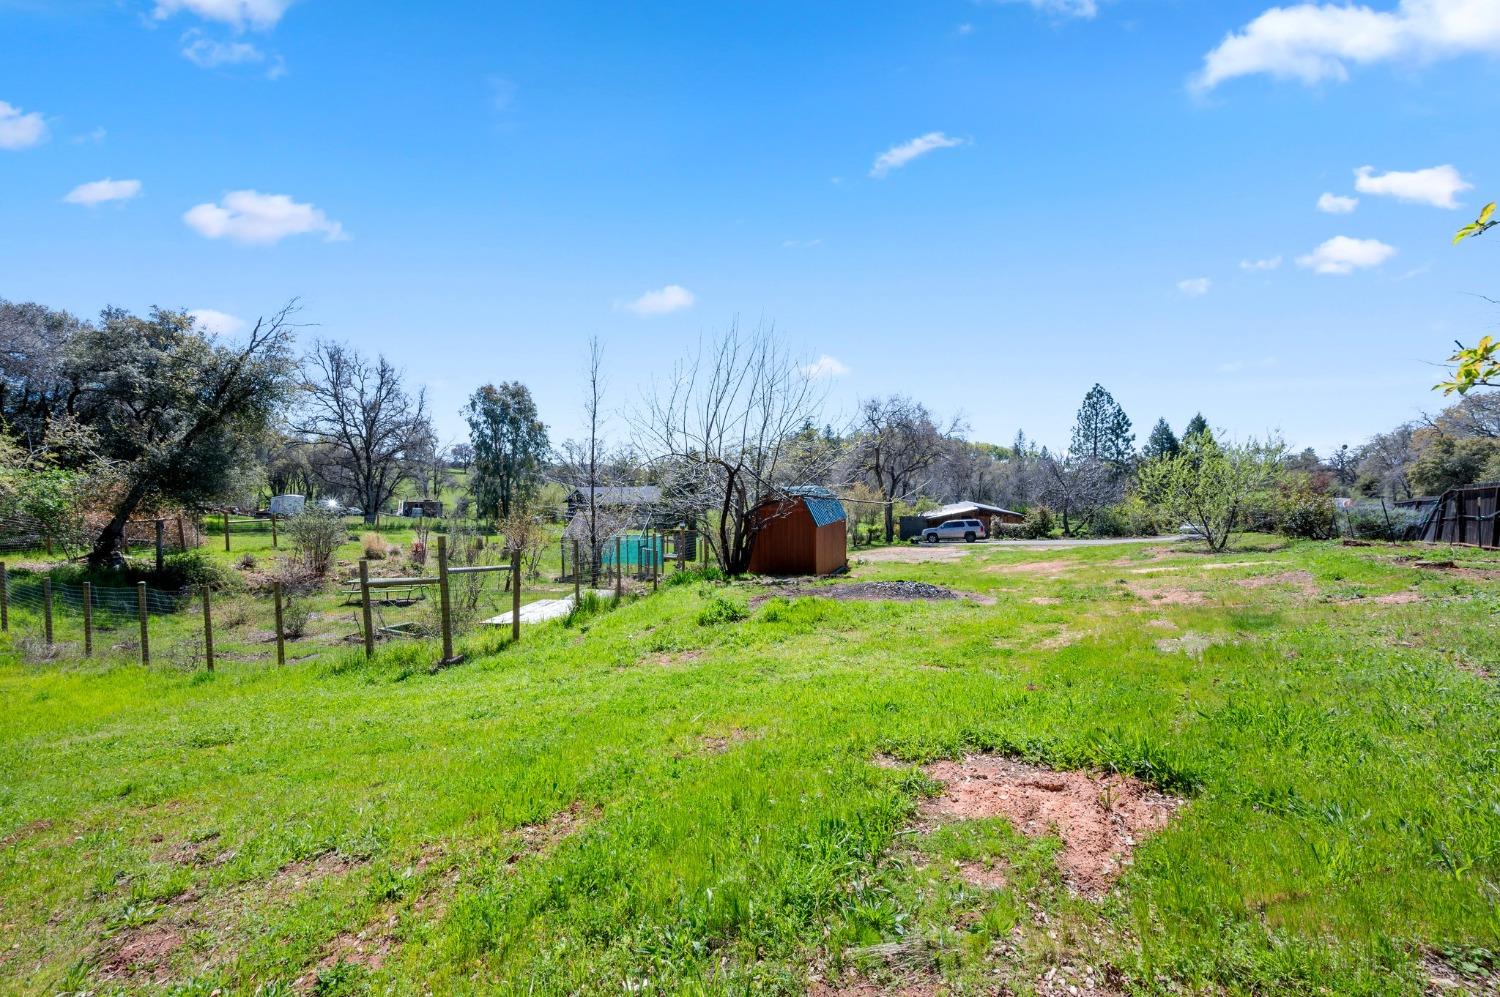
x: 967, y: 530
x: 287, y: 505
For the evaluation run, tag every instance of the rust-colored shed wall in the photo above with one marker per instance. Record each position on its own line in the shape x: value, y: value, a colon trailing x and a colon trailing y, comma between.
x: 789, y: 543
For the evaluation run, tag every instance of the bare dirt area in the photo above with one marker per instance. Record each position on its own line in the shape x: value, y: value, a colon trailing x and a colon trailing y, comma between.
x: 1049, y: 568
x: 141, y: 955
x: 1168, y: 595
x: 1389, y: 599
x: 1300, y: 580
x: 871, y: 592
x: 854, y: 985
x: 916, y: 553
x: 1100, y: 818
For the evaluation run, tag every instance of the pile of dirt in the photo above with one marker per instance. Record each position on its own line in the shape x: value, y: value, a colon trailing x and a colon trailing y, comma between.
x: 1100, y: 818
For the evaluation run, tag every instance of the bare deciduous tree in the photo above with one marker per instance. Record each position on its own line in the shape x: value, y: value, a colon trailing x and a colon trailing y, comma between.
x: 724, y: 428
x: 898, y: 441
x: 583, y: 464
x: 372, y: 429
x: 1077, y: 487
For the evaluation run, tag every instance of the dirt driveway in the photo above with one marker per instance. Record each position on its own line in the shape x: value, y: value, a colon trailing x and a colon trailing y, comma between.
x: 913, y: 553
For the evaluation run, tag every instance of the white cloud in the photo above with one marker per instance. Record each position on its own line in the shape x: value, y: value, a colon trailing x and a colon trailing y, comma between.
x: 825, y: 366
x: 253, y: 218
x: 1435, y: 185
x: 99, y: 191
x: 898, y: 156
x: 672, y: 298
x: 1344, y: 255
x: 1336, y: 204
x: 215, y: 322
x: 20, y: 131
x: 1269, y: 263
x: 801, y: 243
x: 261, y: 15
x: 209, y: 53
x: 1062, y: 8
x: 1195, y: 287
x: 1312, y: 42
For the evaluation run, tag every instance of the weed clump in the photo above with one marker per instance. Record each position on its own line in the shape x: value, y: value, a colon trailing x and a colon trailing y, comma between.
x: 720, y: 610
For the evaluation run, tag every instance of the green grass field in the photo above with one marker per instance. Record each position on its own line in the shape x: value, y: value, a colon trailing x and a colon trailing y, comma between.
x: 713, y: 789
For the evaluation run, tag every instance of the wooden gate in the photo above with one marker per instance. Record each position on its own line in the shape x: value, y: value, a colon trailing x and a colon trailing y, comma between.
x: 1466, y: 516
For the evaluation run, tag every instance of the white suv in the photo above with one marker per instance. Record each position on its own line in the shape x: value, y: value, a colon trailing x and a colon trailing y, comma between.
x: 967, y: 530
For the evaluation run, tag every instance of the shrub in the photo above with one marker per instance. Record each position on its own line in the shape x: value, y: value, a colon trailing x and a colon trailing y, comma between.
x: 1039, y: 518
x: 315, y: 534
x: 192, y: 568
x: 1130, y: 518
x: 295, y: 614
x: 374, y: 546
x: 1296, y: 509
x: 245, y: 562
x: 721, y: 610
x: 711, y: 573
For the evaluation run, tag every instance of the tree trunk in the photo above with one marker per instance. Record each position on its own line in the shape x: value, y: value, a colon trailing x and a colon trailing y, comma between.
x: 108, y: 547
x: 890, y: 520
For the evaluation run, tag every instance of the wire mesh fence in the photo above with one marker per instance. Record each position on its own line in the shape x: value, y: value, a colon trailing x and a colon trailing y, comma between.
x: 443, y: 600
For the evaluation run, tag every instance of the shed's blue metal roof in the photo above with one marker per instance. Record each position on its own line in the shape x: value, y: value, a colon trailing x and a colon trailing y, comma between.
x: 822, y: 503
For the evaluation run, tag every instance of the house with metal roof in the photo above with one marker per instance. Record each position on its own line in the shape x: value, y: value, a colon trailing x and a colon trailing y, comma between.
x: 990, y: 515
x: 799, y: 531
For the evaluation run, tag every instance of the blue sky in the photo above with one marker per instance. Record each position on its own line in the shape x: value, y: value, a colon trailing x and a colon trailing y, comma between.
x: 1072, y: 191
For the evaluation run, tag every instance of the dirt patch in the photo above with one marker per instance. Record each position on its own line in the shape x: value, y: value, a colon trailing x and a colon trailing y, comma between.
x: 542, y: 836
x: 916, y: 553
x: 1058, y: 641
x: 667, y: 659
x: 1100, y: 818
x: 1169, y: 596
x: 1044, y: 600
x: 141, y: 954
x: 718, y: 744
x: 854, y: 985
x: 1300, y: 580
x: 295, y: 875
x: 25, y: 831
x: 1389, y: 599
x: 201, y: 851
x: 1479, y: 977
x: 869, y: 592
x: 1161, y: 624
x: 1190, y: 643
x: 986, y: 877
x: 1032, y: 568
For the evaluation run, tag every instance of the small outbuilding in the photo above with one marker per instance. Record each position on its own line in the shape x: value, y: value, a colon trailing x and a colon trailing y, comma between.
x: 800, y: 531
x: 425, y: 508
x: 990, y: 515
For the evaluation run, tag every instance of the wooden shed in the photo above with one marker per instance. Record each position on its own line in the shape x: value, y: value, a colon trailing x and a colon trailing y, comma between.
x: 799, y: 531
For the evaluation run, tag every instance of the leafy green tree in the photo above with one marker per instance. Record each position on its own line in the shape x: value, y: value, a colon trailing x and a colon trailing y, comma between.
x: 1102, y: 430
x: 510, y: 447
x: 1196, y: 426
x: 1477, y: 365
x: 1162, y: 442
x: 174, y: 411
x: 1209, y: 485
x: 1449, y: 462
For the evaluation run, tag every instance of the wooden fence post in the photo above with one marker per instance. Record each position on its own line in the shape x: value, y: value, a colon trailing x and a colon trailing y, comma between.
x: 364, y: 602
x: 4, y: 599
x: 181, y: 533
x: 577, y: 575
x: 226, y: 529
x: 275, y: 543
x: 140, y: 608
x: 681, y: 549
x: 88, y: 620
x: 161, y: 543
x: 515, y: 594
x: 47, y: 608
x: 655, y: 561
x: 280, y: 629
x: 208, y: 631
x: 443, y: 598
x: 619, y: 571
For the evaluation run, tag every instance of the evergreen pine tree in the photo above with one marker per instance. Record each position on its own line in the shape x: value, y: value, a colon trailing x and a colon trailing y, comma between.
x: 1102, y: 430
x: 1162, y: 442
x: 1196, y: 426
